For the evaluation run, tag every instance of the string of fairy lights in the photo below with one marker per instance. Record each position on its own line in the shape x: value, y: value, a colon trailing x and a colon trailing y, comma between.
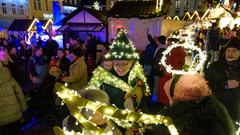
x: 100, y: 76
x: 75, y: 102
x: 191, y: 70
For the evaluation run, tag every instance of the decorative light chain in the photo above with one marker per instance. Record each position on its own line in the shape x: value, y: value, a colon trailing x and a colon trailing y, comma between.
x: 75, y: 102
x: 100, y: 76
x: 192, y: 70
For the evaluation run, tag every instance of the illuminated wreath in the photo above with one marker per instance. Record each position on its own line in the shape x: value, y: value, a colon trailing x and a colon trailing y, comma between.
x: 191, y: 70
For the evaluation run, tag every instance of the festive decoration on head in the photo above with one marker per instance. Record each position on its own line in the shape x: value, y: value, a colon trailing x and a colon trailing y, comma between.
x: 195, y: 89
x: 191, y: 69
x: 122, y: 48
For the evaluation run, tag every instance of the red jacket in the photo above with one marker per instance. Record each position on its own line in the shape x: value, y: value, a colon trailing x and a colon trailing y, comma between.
x: 176, y: 60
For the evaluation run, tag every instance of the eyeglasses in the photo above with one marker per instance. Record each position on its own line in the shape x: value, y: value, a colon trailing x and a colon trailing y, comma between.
x: 121, y: 64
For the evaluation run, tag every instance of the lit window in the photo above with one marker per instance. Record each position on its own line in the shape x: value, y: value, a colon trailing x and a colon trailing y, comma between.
x: 21, y: 10
x: 177, y: 4
x: 186, y: 3
x: 13, y: 9
x: 4, y: 8
x: 37, y: 4
x: 46, y: 2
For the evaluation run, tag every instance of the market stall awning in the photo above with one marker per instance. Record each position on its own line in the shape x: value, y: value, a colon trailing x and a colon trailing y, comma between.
x: 5, y: 23
x: 25, y: 24
x: 84, y: 19
x: 170, y: 26
x: 134, y: 9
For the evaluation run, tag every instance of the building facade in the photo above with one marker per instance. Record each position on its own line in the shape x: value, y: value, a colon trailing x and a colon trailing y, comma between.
x: 41, y: 9
x: 180, y: 7
x: 14, y: 9
x: 70, y: 5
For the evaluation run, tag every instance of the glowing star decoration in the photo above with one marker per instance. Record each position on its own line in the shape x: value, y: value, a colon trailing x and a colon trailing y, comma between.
x: 121, y: 117
x: 191, y: 70
x: 96, y: 5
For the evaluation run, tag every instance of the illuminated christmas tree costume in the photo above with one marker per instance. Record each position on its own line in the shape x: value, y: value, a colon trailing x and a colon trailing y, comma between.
x: 116, y: 86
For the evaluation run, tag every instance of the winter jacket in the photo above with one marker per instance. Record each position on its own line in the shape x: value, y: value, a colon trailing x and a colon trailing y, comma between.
x: 12, y: 99
x: 157, y: 71
x: 217, y: 76
x: 65, y: 65
x: 205, y: 117
x: 149, y: 54
x: 213, y: 39
x: 77, y: 78
x: 37, y: 67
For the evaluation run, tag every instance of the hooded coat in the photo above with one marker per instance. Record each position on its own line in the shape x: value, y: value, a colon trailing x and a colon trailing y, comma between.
x: 205, y: 117
x: 12, y: 102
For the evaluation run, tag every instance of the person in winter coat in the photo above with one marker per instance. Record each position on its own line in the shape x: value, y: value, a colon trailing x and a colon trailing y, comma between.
x: 16, y: 66
x: 13, y: 103
x: 37, y: 67
x: 224, y: 78
x: 193, y: 110
x: 212, y: 44
x: 156, y: 69
x: 51, y: 48
x: 125, y: 84
x: 64, y: 61
x: 77, y: 78
x: 176, y: 59
x: 25, y: 52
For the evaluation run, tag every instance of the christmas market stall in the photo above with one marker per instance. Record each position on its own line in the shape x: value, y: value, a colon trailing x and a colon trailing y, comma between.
x: 25, y: 28
x: 85, y: 21
x: 138, y: 18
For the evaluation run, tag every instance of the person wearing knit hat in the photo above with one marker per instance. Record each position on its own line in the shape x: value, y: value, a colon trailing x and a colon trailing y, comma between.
x: 126, y: 85
x: 232, y: 52
x: 224, y: 78
x: 193, y: 109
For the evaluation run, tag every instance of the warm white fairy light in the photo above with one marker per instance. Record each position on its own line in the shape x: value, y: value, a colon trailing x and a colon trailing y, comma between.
x: 238, y: 131
x: 121, y: 117
x: 191, y: 70
x: 100, y: 76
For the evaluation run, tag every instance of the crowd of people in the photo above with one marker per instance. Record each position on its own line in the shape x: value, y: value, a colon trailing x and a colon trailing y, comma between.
x: 197, y: 104
x: 31, y: 70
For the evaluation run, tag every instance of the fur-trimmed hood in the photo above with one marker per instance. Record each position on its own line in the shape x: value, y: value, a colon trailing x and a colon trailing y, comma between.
x: 206, y: 117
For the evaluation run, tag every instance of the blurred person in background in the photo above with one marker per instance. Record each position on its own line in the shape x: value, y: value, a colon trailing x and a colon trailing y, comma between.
x: 13, y: 103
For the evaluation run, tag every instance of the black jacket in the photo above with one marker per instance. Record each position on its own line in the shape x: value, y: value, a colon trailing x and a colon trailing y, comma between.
x: 65, y: 65
x: 217, y: 76
x: 206, y: 117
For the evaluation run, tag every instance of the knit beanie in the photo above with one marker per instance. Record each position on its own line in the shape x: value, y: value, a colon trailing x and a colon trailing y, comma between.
x: 188, y: 88
x: 234, y: 43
